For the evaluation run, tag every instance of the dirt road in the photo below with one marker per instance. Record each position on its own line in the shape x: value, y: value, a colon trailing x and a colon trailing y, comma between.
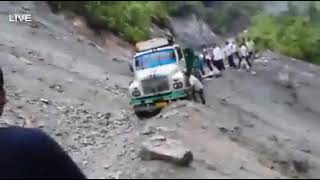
x: 262, y: 126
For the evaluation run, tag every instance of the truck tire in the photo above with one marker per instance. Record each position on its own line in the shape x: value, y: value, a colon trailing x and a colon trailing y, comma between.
x: 140, y: 114
x: 146, y: 114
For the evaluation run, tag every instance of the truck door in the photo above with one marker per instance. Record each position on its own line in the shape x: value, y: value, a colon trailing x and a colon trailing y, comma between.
x: 180, y: 58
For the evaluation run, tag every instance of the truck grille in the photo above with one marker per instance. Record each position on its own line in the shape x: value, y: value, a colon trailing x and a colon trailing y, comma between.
x: 155, y: 85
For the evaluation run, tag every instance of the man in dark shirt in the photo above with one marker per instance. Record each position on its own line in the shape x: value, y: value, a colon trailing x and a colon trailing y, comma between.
x: 30, y: 153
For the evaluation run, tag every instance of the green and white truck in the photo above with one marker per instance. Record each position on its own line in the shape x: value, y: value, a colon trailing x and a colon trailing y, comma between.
x: 159, y: 77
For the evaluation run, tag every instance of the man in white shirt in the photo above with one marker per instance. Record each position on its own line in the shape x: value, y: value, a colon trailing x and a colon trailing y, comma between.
x: 196, y: 88
x: 229, y: 54
x: 218, y: 56
x: 244, y: 54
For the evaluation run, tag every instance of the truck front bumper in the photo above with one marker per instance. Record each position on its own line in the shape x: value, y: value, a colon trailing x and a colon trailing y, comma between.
x: 163, y: 97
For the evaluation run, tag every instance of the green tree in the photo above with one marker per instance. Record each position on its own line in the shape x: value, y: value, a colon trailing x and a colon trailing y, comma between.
x: 290, y: 35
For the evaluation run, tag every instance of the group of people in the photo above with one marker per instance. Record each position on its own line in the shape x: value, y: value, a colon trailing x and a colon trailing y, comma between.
x: 214, y: 57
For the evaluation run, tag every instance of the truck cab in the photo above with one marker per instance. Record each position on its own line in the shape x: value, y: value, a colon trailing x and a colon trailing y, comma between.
x: 158, y: 67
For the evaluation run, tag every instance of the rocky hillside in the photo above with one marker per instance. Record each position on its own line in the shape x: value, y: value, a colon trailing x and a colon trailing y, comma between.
x: 62, y: 78
x: 193, y: 32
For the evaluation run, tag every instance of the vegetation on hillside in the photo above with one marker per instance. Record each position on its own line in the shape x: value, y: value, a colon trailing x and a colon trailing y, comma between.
x: 129, y: 19
x: 290, y: 33
x: 132, y: 19
x: 294, y: 32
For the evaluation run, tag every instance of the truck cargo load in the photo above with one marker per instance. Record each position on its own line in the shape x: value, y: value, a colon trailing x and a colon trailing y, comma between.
x: 151, y: 44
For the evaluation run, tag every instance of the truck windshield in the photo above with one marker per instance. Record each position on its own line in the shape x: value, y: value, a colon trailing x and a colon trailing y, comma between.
x: 155, y: 59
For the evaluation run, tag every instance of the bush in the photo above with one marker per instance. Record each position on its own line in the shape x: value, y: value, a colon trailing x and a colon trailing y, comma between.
x: 128, y: 19
x: 290, y: 35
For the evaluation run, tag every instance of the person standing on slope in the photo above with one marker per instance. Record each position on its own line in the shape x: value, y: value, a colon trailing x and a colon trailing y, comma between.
x: 196, y: 88
x: 244, y: 55
x: 218, y: 57
x: 229, y: 54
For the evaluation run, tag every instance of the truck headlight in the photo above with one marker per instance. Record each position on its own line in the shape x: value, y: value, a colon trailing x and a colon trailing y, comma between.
x: 136, y: 93
x: 177, y: 85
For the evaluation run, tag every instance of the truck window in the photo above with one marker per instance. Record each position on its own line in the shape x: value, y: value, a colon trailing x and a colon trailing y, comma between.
x: 178, y: 49
x: 154, y: 59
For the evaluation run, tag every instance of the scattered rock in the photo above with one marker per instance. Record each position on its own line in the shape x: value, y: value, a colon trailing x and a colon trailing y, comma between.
x: 80, y: 39
x: 285, y: 78
x: 308, y: 151
x: 41, y: 125
x: 158, y: 138
x: 58, y: 134
x: 249, y: 125
x: 115, y: 175
x: 63, y: 109
x: 168, y: 114
x: 204, y: 126
x: 290, y: 104
x: 164, y: 129
x: 116, y: 60
x: 223, y: 129
x: 56, y: 87
x: 147, y: 131
x: 85, y: 163
x: 224, y: 101
x: 107, y: 166
x: 92, y: 44
x: 46, y: 101
x: 24, y: 60
x: 170, y: 151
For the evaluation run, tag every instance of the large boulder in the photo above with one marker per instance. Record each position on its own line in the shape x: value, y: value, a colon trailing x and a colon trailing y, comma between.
x: 168, y: 150
x: 285, y: 78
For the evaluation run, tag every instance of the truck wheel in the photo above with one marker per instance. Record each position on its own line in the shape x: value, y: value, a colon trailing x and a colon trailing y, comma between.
x: 140, y: 114
x: 146, y: 114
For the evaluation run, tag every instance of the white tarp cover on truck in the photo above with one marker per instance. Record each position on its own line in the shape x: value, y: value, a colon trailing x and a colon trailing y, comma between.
x: 153, y: 43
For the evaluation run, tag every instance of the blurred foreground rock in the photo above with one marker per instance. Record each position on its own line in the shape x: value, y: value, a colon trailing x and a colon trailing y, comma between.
x: 168, y: 150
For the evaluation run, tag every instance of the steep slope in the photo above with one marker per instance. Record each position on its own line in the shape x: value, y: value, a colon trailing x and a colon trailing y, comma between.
x: 263, y: 126
x: 193, y: 32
